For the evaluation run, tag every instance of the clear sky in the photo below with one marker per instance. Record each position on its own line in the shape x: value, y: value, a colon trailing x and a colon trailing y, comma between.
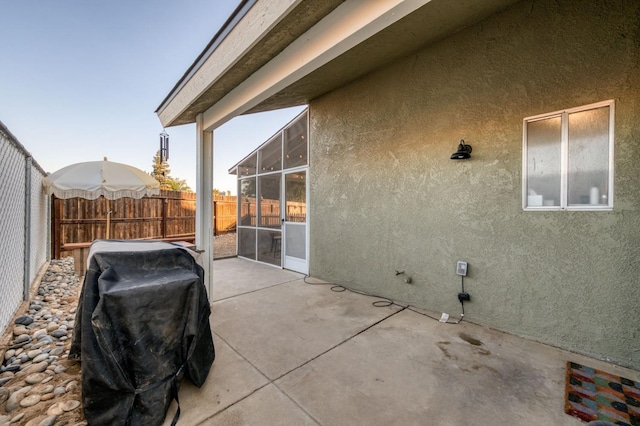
x: 81, y: 79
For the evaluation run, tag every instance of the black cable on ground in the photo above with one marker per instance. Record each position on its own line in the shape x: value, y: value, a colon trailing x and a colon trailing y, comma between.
x: 381, y: 303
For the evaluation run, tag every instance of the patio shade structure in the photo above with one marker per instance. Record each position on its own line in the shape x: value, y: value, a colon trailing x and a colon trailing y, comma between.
x: 108, y: 179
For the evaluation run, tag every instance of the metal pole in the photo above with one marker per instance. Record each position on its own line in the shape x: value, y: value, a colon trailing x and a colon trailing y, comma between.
x: 27, y: 226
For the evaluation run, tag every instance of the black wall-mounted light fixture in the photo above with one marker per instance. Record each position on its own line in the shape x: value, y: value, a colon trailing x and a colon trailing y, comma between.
x: 463, y: 152
x: 164, y: 146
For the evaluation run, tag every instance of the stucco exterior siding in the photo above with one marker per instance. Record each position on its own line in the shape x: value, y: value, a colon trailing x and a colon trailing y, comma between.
x: 385, y: 196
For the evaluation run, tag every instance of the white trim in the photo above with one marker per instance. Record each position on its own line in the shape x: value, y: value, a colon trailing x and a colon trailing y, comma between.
x: 204, y: 200
x: 348, y: 25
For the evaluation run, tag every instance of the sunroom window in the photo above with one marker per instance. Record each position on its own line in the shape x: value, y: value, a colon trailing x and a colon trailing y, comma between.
x: 568, y: 159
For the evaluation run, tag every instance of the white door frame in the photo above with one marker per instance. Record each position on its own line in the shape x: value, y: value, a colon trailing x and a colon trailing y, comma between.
x: 288, y: 262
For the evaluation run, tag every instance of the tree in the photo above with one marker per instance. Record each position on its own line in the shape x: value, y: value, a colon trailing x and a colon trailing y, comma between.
x: 175, y: 184
x: 161, y: 174
x: 160, y: 169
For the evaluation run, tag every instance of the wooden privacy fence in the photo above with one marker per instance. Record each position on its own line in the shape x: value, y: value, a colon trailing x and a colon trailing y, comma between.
x: 270, y: 212
x: 170, y: 216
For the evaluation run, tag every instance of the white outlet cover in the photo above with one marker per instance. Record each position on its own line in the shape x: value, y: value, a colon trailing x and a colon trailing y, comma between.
x: 461, y: 268
x: 444, y: 317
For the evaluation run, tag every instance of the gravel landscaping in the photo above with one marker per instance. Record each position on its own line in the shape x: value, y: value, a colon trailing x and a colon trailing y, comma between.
x: 39, y: 385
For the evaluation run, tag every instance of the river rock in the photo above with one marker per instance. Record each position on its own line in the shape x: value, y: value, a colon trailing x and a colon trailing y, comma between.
x: 4, y: 420
x: 38, y: 368
x: 14, y: 400
x: 52, y: 326
x: 57, y: 351
x: 35, y: 378
x: 30, y: 400
x: 8, y: 354
x: 59, y: 333
x: 70, y: 405
x: 47, y: 396
x: 41, y: 389
x: 39, y: 333
x: 60, y: 390
x: 4, y: 394
x: 49, y: 421
x: 55, y: 409
x: 24, y: 320
x: 17, y: 418
x: 34, y: 353
x: 40, y: 358
x: 22, y: 338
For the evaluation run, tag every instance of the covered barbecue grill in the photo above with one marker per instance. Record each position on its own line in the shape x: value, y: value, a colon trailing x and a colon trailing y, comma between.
x: 142, y: 324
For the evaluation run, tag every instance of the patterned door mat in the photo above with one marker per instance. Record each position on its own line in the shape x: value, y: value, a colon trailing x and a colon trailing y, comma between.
x: 592, y: 394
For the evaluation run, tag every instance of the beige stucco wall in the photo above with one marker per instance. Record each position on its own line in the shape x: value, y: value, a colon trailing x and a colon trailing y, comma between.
x: 386, y: 197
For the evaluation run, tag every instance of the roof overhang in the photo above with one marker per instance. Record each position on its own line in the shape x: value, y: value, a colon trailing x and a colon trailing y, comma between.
x: 274, y: 54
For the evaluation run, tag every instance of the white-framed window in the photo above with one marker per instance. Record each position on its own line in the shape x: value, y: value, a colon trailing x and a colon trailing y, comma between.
x: 567, y: 159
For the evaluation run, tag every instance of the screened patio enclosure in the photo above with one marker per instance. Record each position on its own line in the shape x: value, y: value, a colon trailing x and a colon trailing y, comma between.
x: 272, y: 199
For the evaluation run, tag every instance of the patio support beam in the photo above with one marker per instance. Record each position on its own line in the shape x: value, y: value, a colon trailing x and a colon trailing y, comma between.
x: 204, y: 200
x: 347, y: 26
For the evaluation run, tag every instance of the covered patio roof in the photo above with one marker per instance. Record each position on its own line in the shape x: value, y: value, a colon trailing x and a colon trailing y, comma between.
x: 276, y: 54
x: 282, y: 53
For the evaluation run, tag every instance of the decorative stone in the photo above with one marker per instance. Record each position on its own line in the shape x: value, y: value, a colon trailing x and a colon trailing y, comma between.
x: 23, y: 338
x: 59, y: 333
x: 47, y: 396
x: 49, y: 421
x: 39, y: 333
x: 17, y: 418
x: 8, y: 354
x: 13, y: 367
x: 60, y: 390
x: 4, y: 420
x: 57, y: 351
x: 24, y: 320
x: 5, y: 380
x: 72, y: 386
x: 41, y: 389
x: 38, y: 368
x: 35, y: 378
x: 55, y: 409
x: 34, y: 353
x: 14, y: 400
x: 52, y: 326
x: 20, y: 329
x: 60, y: 369
x: 30, y: 400
x: 4, y: 395
x: 70, y: 405
x: 41, y: 358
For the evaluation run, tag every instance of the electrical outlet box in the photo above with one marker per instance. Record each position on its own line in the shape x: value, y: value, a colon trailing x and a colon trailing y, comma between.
x: 461, y: 268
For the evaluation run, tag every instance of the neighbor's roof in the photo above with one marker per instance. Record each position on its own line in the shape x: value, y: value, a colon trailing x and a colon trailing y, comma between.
x: 272, y: 54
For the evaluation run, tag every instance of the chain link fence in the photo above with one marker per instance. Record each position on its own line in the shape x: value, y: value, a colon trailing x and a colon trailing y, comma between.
x: 24, y: 228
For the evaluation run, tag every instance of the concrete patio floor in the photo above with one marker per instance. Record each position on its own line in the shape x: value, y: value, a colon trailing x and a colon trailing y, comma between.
x: 289, y: 353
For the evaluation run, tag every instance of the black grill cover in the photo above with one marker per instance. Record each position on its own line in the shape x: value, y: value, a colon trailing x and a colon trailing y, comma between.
x: 142, y: 323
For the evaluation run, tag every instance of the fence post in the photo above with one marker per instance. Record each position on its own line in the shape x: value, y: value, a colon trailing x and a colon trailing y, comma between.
x: 164, y: 202
x: 27, y: 226
x: 215, y: 217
